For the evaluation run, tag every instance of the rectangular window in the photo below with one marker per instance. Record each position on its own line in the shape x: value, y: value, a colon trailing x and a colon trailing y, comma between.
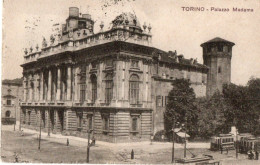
x: 158, y: 101
x: 94, y: 65
x: 219, y: 69
x: 134, y: 64
x: 166, y: 100
x: 82, y: 92
x: 135, y: 120
x: 109, y: 63
x: 134, y: 124
x: 80, y: 116
x: 105, y: 120
x: 108, y: 91
x: 134, y: 92
x: 8, y: 102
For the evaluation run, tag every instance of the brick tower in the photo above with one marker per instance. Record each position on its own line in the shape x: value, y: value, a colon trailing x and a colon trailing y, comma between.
x: 217, y: 54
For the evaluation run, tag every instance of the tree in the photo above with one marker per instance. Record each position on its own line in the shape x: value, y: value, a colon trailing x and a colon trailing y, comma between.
x: 254, y: 95
x: 245, y: 102
x: 181, y: 104
x: 211, y: 115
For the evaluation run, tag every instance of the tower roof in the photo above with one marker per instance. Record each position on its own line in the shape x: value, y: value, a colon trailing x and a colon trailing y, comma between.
x: 217, y: 39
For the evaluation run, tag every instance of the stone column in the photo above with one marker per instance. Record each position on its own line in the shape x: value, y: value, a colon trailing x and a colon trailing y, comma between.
x: 69, y: 83
x: 58, y: 84
x: 41, y: 86
x: 38, y: 87
x: 25, y: 88
x: 49, y: 86
x: 76, y: 84
x: 30, y: 88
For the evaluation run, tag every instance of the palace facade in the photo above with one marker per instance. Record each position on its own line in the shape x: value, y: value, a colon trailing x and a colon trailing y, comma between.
x: 114, y: 82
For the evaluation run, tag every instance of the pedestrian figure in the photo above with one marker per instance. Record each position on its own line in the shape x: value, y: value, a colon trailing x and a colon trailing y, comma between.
x: 132, y: 154
x: 227, y: 150
x: 221, y: 149
x: 250, y: 155
x: 68, y: 142
x: 256, y: 155
x: 16, y: 158
x: 93, y: 141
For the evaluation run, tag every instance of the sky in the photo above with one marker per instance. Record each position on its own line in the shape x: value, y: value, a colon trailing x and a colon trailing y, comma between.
x: 26, y: 22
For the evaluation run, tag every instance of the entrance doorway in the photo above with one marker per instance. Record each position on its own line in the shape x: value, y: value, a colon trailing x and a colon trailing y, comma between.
x: 61, y: 119
x: 43, y: 118
x: 52, y: 119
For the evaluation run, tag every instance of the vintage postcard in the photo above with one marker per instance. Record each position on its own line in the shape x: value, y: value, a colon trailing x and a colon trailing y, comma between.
x: 130, y: 82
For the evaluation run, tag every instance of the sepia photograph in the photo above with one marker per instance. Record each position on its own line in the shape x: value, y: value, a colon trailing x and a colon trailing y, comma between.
x: 130, y: 82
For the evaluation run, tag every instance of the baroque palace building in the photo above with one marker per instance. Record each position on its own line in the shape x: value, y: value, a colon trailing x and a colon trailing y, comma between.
x: 112, y: 82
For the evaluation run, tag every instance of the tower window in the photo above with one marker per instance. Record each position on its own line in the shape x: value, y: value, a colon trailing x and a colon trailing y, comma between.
x: 219, y: 69
x: 220, y: 48
x: 209, y: 49
x: 229, y: 49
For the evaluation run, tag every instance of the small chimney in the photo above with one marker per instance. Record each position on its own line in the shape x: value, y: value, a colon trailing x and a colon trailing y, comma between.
x: 180, y: 57
x: 195, y: 61
x: 191, y: 61
x: 172, y: 54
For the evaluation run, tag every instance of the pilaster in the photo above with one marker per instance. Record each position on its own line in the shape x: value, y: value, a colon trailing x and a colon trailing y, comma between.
x: 76, y: 87
x: 49, y: 85
x: 69, y: 83
x: 41, y: 86
x: 58, y: 84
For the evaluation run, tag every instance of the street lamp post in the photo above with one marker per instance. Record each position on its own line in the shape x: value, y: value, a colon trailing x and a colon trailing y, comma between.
x: 39, y: 147
x: 185, y: 143
x: 88, y: 148
x: 49, y: 122
x: 236, y: 144
x: 15, y: 117
x: 173, y: 134
x: 20, y: 126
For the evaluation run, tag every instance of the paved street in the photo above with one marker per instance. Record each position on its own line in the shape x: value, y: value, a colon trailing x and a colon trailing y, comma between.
x: 54, y: 150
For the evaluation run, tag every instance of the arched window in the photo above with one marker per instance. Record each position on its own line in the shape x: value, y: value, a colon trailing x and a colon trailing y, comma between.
x: 109, y: 88
x: 94, y: 87
x: 134, y: 89
x: 7, y: 113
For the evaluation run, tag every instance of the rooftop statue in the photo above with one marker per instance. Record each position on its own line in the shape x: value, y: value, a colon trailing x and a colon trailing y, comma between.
x: 127, y: 19
x: 44, y: 42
